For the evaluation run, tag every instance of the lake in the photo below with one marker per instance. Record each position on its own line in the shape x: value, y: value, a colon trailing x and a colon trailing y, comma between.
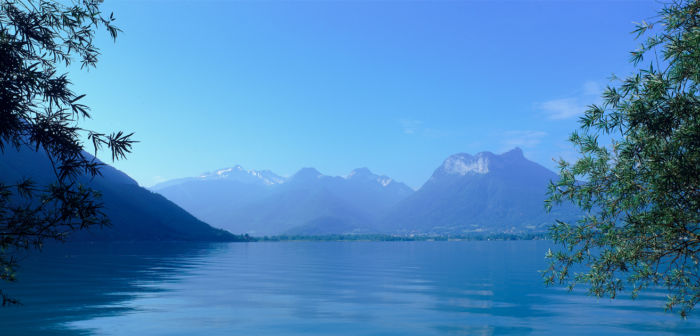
x: 314, y: 288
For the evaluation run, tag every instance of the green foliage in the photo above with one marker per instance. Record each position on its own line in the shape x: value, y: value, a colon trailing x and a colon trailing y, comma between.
x: 641, y: 192
x: 39, y: 38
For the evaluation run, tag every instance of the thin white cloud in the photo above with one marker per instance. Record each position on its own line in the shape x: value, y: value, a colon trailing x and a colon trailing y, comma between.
x: 522, y: 139
x: 564, y: 108
x: 573, y: 106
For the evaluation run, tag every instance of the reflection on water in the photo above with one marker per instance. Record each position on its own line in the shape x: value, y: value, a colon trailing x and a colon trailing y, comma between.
x: 322, y: 288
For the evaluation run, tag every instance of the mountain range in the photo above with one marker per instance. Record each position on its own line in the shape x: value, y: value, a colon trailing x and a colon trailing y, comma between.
x: 485, y: 192
x: 263, y: 203
x: 466, y: 194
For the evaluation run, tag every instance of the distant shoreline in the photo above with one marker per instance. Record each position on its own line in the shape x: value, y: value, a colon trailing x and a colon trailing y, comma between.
x: 246, y: 238
x: 386, y: 237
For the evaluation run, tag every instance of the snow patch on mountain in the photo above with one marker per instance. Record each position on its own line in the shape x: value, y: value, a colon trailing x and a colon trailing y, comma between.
x: 367, y: 175
x: 384, y: 181
x: 463, y: 164
x: 238, y: 173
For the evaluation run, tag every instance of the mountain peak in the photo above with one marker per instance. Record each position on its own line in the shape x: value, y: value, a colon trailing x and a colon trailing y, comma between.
x: 268, y: 176
x: 307, y: 173
x: 240, y: 174
x: 225, y: 172
x: 360, y: 172
x: 482, y: 163
x: 365, y: 174
x: 514, y: 153
x: 485, y: 192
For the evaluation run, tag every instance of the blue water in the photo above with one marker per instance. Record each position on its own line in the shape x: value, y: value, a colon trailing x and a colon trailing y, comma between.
x: 314, y: 288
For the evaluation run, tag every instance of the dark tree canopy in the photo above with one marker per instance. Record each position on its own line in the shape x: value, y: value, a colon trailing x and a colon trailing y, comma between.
x: 39, y: 40
x: 641, y: 192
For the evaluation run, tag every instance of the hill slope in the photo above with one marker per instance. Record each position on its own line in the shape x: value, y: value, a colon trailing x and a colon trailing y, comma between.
x: 135, y: 213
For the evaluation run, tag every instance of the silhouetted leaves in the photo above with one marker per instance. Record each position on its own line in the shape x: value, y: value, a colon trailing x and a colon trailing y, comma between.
x: 38, y: 110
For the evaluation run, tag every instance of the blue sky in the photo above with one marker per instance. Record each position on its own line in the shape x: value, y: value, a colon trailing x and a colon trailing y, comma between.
x: 395, y: 86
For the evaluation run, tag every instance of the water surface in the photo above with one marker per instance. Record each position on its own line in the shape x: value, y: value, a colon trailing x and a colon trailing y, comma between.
x: 314, y: 288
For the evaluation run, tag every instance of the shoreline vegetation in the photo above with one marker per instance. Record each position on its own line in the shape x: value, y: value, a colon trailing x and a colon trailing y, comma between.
x: 387, y: 237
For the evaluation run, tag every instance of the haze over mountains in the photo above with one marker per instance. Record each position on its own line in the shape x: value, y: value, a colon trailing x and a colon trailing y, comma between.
x: 466, y: 194
x: 263, y: 203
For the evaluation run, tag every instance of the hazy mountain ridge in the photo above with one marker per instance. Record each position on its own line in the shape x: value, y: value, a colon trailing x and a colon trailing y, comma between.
x: 308, y: 201
x: 135, y: 213
x: 235, y: 173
